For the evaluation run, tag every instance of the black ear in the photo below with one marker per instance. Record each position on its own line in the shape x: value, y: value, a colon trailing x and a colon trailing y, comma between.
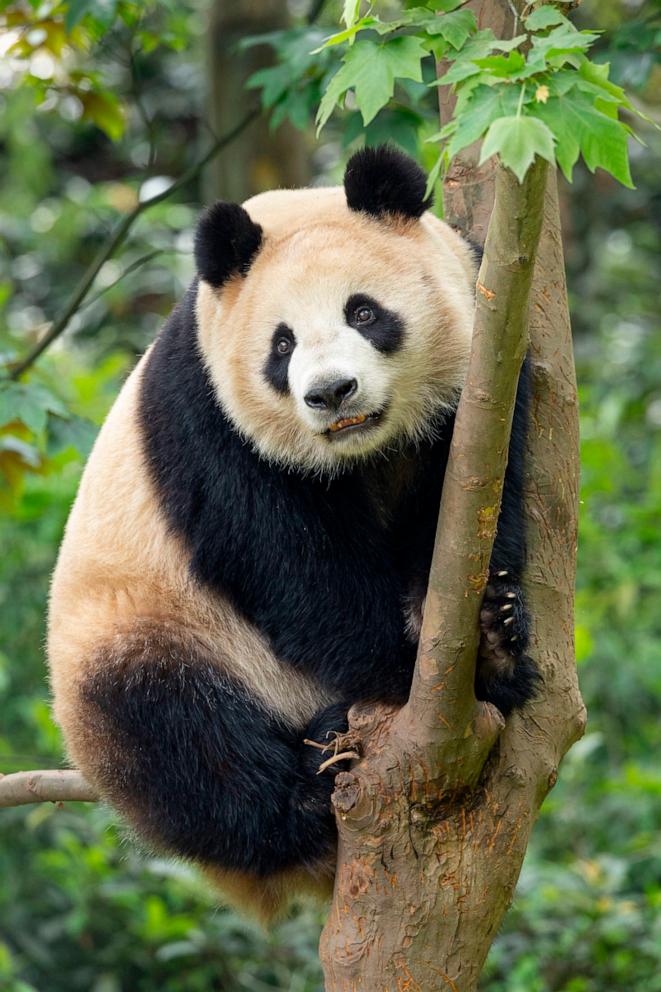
x: 384, y: 180
x: 226, y: 241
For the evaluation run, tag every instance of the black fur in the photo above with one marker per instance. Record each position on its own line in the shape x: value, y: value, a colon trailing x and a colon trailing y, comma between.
x: 385, y: 332
x: 303, y: 559
x: 383, y: 180
x: 307, y: 561
x: 226, y: 242
x: 276, y: 367
x: 203, y: 770
x: 322, y: 569
x: 509, y: 550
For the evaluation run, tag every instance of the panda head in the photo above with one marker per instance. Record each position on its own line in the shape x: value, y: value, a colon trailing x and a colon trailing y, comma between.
x: 335, y: 323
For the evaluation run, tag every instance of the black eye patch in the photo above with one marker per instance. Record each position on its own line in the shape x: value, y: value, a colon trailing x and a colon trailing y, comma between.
x: 383, y: 328
x: 276, y: 366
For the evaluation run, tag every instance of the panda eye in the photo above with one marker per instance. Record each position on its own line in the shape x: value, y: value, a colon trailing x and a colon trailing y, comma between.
x: 283, y: 346
x: 364, y: 315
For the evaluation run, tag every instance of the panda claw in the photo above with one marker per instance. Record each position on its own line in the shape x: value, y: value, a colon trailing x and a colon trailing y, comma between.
x: 508, y: 621
x: 506, y: 607
x: 320, y: 747
x: 334, y: 758
x: 502, y: 574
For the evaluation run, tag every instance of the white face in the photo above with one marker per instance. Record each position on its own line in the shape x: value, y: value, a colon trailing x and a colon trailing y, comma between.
x: 343, y: 367
x: 335, y: 346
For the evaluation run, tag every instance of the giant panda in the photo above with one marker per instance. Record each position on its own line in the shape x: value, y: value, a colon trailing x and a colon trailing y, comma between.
x: 248, y: 552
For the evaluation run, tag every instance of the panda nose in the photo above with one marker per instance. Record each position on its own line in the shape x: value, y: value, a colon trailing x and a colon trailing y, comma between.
x: 330, y: 395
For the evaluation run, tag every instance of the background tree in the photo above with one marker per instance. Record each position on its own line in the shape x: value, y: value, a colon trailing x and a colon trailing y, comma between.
x: 584, y: 916
x: 262, y: 158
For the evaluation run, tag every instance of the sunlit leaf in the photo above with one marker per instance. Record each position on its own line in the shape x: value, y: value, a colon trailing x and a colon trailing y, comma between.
x: 370, y: 69
x: 545, y: 17
x: 517, y: 140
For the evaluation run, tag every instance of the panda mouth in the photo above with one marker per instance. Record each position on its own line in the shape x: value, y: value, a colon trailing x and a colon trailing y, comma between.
x: 352, y: 425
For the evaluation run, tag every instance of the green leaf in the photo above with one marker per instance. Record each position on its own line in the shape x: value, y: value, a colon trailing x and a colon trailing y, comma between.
x: 598, y: 76
x: 276, y: 82
x: 567, y: 149
x: 366, y: 23
x: 562, y: 40
x: 30, y: 403
x: 544, y: 17
x: 350, y: 12
x: 457, y: 73
x: 333, y: 93
x: 444, y: 5
x: 517, y: 140
x: 456, y: 28
x: 575, y: 120
x: 503, y: 66
x: 370, y: 69
x: 74, y: 432
x: 484, y: 105
x: 348, y: 34
x: 477, y: 47
x: 434, y: 173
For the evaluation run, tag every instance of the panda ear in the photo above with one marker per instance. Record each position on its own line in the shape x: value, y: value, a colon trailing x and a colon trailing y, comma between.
x: 383, y: 180
x: 226, y: 241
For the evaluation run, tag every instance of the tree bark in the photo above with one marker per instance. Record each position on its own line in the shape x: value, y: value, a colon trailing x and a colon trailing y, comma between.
x: 50, y: 786
x: 434, y: 821
x: 261, y: 159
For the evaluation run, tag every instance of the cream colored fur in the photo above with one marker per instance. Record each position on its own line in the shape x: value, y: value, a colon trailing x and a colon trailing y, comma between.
x: 316, y: 253
x: 121, y: 573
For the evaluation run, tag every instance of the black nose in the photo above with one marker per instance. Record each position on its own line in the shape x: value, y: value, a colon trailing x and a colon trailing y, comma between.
x: 330, y: 395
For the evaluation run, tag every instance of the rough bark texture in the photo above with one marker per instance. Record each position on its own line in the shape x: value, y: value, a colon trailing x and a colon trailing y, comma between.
x: 435, y: 820
x: 261, y: 159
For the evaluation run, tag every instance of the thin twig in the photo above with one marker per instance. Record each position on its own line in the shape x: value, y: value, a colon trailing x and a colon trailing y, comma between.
x: 149, y: 123
x: 137, y: 264
x: 118, y: 236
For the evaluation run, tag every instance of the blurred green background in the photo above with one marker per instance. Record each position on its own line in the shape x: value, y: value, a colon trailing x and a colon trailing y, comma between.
x: 107, y: 107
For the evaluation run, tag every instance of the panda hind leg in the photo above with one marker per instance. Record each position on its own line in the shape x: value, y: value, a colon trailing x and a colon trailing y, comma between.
x: 196, y: 765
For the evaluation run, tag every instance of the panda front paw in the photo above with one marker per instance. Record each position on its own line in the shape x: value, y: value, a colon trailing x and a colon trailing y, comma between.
x: 505, y: 675
x: 329, y: 743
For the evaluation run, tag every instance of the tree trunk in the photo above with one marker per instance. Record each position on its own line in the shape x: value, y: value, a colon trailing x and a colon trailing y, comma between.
x: 434, y: 821
x: 261, y: 159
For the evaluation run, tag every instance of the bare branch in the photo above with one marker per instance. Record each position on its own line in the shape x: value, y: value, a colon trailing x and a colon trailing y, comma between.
x: 117, y: 238
x: 51, y: 786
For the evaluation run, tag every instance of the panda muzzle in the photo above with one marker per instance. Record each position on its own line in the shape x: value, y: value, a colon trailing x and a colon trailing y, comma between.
x: 355, y: 423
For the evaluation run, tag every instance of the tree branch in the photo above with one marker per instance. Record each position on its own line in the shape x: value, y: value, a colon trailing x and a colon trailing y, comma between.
x: 442, y: 703
x: 52, y: 786
x: 117, y: 238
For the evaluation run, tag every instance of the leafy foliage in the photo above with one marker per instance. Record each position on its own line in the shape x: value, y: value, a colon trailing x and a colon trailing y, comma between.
x: 536, y: 94
x: 49, y: 44
x: 82, y: 910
